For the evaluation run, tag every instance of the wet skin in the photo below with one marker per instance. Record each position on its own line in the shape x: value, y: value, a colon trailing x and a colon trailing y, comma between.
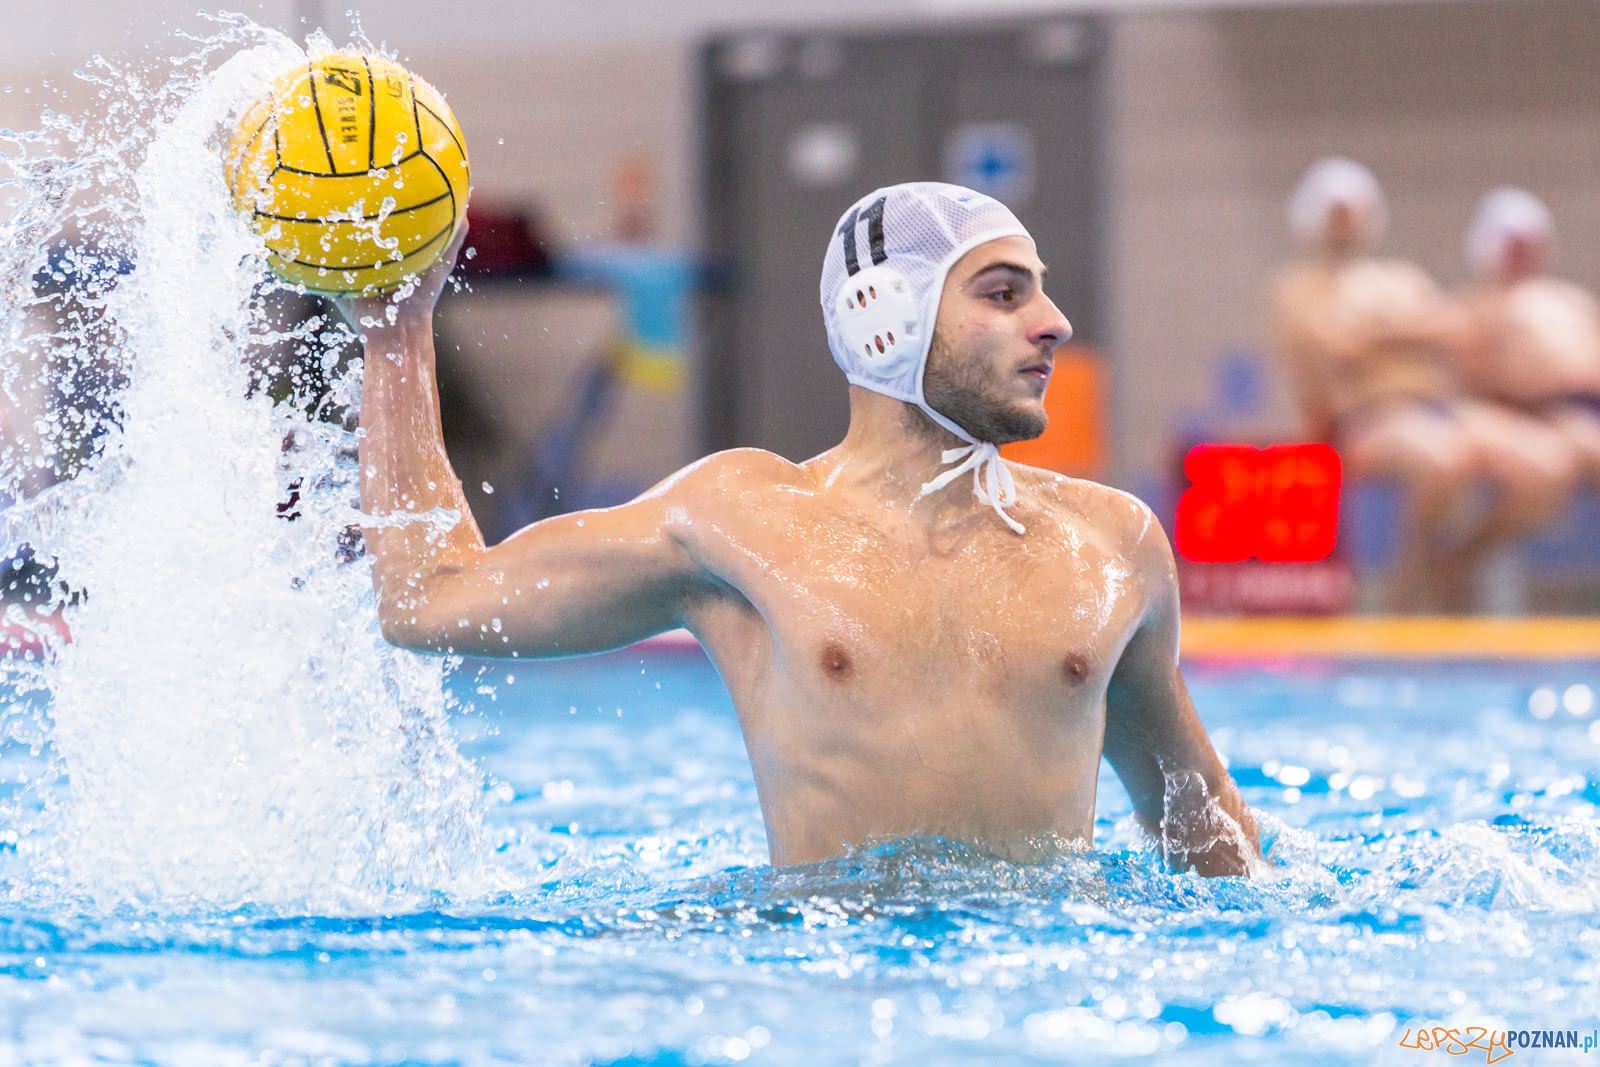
x: 900, y: 665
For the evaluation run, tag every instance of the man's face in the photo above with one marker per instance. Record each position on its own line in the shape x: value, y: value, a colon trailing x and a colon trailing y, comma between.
x: 1348, y: 229
x: 1523, y: 256
x: 994, y: 343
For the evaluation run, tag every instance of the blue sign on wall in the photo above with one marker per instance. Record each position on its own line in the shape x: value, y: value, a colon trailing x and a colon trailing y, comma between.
x: 994, y: 158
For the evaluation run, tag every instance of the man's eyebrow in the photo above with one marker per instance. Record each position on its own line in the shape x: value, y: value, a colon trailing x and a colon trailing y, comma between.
x: 1010, y: 268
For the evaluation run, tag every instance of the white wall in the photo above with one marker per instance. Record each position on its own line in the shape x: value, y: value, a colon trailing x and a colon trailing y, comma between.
x: 48, y: 35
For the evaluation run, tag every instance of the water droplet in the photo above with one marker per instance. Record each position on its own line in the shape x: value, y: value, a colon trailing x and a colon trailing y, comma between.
x: 1542, y: 704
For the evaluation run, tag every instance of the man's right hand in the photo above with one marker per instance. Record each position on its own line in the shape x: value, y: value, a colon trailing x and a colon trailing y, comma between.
x: 417, y: 305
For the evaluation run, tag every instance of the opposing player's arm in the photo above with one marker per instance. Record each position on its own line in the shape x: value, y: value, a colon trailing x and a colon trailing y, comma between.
x: 576, y: 583
x: 1181, y: 792
x: 1482, y: 333
x: 1436, y: 317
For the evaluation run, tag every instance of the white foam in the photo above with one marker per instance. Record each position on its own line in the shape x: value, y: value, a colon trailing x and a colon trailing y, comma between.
x: 230, y: 725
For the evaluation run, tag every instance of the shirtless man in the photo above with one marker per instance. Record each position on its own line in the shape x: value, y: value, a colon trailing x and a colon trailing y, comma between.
x: 1369, y: 344
x: 1535, y: 341
x: 908, y: 654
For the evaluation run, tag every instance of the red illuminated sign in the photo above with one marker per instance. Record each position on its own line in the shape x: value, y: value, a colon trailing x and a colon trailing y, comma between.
x: 1279, y: 503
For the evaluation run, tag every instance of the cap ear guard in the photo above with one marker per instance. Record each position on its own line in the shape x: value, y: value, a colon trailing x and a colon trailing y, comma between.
x: 878, y: 319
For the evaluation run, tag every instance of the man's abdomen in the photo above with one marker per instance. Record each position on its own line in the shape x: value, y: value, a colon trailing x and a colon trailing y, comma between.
x: 836, y: 773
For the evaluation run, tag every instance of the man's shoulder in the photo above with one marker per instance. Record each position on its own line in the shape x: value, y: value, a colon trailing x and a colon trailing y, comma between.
x: 734, y: 472
x: 1301, y: 289
x: 1396, y: 271
x: 1558, y: 288
x: 1304, y: 279
x: 1114, y: 513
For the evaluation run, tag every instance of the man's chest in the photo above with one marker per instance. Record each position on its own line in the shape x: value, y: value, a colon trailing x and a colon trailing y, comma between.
x: 1547, y: 330
x: 1013, y: 626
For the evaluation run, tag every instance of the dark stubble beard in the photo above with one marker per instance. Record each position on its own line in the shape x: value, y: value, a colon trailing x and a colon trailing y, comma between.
x: 964, y: 391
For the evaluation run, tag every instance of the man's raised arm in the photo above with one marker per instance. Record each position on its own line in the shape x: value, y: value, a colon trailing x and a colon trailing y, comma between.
x: 571, y: 584
x: 1181, y: 792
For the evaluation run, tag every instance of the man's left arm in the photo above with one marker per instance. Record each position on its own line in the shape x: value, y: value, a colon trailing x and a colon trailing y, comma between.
x: 1181, y: 792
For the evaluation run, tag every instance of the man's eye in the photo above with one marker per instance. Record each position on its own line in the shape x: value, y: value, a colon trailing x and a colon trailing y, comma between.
x: 1004, y: 295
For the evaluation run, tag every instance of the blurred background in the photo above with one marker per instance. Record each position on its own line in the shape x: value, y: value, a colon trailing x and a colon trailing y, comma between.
x: 654, y: 185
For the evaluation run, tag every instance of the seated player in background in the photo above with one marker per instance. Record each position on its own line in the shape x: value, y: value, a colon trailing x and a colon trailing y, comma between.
x: 1370, y: 345
x: 1534, y: 342
x: 919, y: 637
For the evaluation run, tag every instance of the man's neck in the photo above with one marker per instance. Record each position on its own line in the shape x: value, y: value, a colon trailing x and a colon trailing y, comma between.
x: 1510, y: 279
x: 1336, y: 257
x: 892, y: 449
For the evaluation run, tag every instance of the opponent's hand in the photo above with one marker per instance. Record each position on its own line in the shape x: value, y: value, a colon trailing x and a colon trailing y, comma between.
x: 413, y: 303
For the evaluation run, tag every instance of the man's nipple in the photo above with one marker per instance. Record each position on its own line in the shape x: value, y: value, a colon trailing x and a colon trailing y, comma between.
x: 1074, y: 668
x: 836, y: 662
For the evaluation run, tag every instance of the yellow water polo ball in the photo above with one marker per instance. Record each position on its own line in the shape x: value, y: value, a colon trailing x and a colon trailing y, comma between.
x: 352, y: 170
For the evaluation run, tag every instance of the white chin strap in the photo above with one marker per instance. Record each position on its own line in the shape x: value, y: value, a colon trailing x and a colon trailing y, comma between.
x: 992, y: 483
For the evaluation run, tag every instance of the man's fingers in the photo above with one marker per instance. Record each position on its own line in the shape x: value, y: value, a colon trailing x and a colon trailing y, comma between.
x: 447, y: 259
x: 452, y: 251
x: 424, y: 292
x: 431, y: 282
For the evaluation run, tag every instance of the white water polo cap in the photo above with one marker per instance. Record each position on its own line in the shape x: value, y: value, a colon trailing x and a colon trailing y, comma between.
x: 1503, y: 215
x: 882, y: 278
x: 1330, y: 182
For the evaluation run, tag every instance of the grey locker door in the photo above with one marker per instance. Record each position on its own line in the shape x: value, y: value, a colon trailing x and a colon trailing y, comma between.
x: 779, y: 388
x: 768, y: 380
x: 1048, y: 95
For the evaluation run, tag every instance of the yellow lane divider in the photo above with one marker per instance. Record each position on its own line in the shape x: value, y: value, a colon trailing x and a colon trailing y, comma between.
x: 1393, y: 637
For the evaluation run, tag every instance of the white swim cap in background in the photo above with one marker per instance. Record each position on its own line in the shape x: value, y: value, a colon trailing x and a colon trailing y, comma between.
x: 1331, y: 181
x: 1502, y: 215
x: 882, y: 278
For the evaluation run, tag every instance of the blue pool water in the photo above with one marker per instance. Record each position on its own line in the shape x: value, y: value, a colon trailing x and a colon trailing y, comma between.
x: 1435, y: 830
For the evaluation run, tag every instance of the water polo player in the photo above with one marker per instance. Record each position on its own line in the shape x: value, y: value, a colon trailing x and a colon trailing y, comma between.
x: 1535, y: 339
x: 909, y: 652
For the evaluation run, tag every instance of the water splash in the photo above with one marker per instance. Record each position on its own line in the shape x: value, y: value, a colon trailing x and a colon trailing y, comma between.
x: 226, y: 725
x: 1196, y: 829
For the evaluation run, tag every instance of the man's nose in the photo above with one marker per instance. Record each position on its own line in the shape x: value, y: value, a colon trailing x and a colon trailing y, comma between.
x: 1052, y: 327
